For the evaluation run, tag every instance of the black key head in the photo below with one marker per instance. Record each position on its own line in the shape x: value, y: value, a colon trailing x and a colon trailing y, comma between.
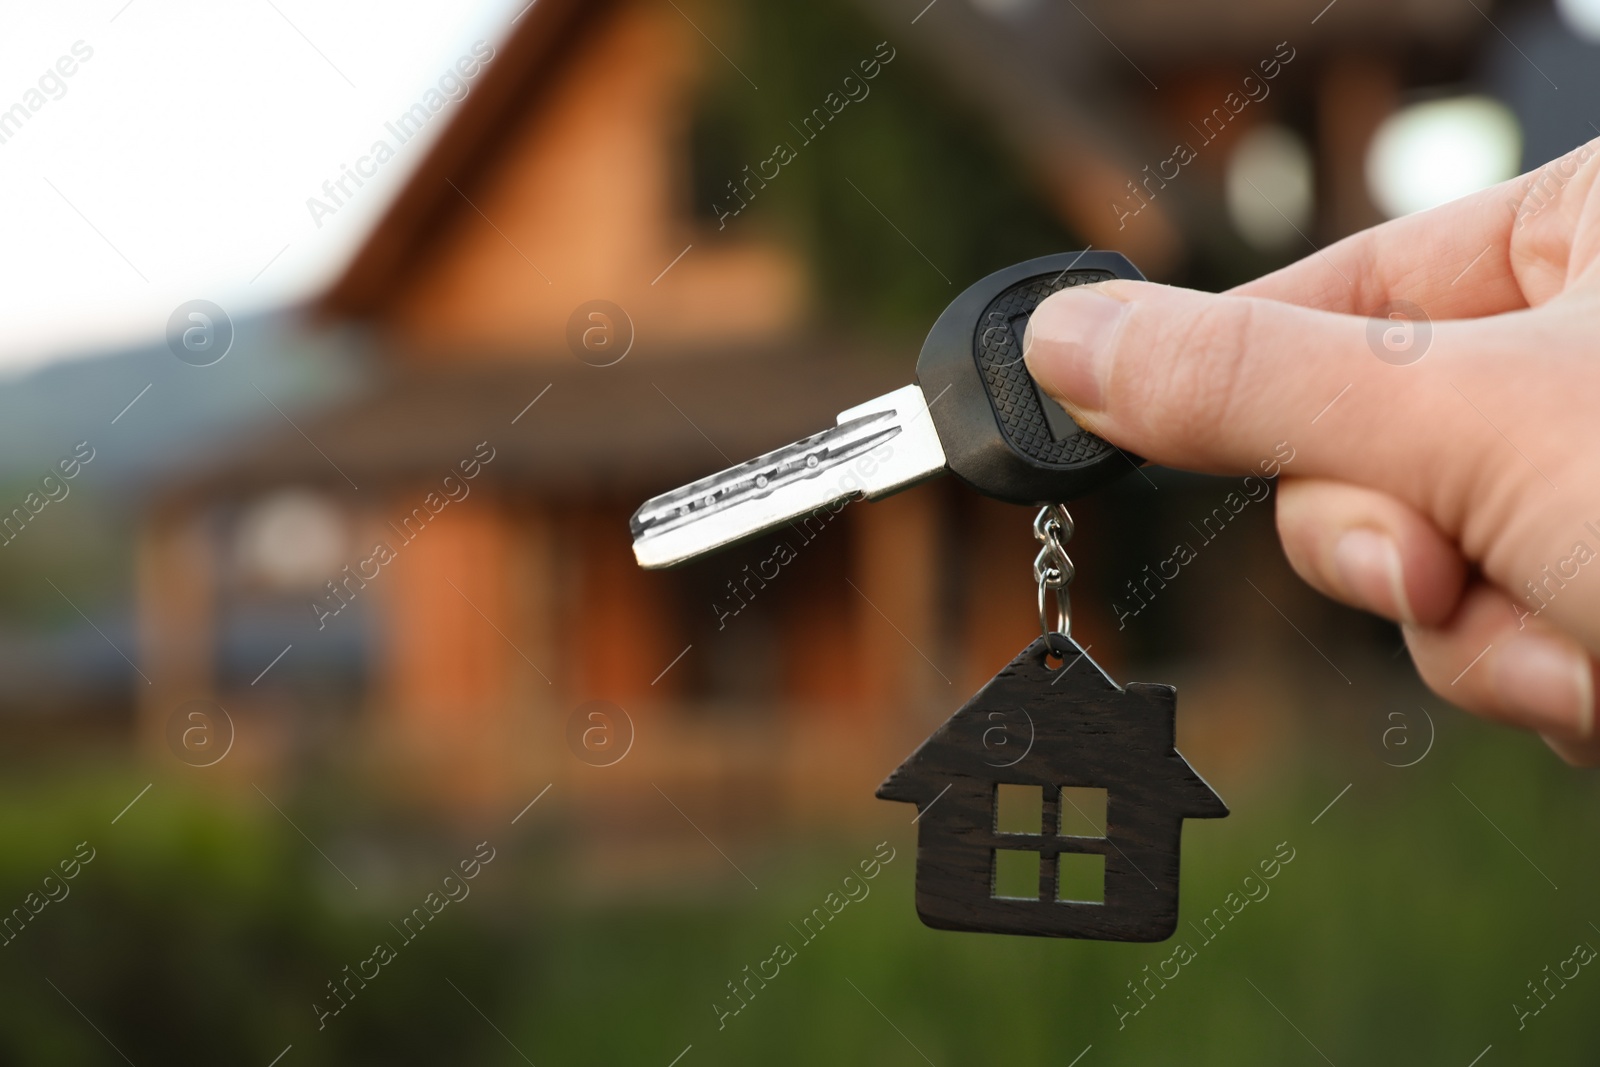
x: 1001, y: 434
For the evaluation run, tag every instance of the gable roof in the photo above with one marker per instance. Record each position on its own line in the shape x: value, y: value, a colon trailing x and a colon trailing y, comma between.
x: 1074, y: 151
x: 1076, y: 726
x: 684, y: 413
x: 1031, y: 75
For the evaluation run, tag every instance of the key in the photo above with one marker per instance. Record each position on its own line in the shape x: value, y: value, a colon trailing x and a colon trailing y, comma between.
x: 974, y: 411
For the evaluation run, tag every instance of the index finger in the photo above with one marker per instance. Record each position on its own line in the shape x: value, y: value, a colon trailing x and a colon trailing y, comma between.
x: 1454, y: 260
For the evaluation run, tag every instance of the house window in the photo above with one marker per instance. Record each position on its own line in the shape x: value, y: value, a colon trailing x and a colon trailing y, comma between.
x: 1019, y: 809
x: 1081, y: 877
x: 1083, y: 812
x: 1016, y: 874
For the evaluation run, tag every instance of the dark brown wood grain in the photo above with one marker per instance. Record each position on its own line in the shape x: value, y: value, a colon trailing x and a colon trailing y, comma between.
x: 1032, y: 725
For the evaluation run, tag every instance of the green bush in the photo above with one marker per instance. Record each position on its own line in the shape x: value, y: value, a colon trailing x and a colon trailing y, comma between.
x: 1402, y: 931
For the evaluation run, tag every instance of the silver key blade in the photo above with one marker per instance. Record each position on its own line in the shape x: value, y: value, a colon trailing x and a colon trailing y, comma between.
x: 877, y: 448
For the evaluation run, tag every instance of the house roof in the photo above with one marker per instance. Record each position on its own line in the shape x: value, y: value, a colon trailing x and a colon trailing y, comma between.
x: 1038, y: 76
x: 648, y: 423
x: 1070, y: 144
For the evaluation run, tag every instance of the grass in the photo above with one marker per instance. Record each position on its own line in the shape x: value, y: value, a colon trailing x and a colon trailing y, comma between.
x: 1403, y: 930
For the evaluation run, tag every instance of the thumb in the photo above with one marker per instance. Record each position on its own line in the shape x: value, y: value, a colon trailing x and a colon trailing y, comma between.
x: 1219, y: 382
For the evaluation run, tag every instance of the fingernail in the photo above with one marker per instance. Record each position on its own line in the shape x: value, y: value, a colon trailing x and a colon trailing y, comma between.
x: 1070, y: 343
x: 1547, y: 681
x: 1368, y: 567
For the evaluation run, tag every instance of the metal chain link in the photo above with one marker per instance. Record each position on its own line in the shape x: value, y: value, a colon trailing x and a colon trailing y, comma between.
x: 1053, y: 570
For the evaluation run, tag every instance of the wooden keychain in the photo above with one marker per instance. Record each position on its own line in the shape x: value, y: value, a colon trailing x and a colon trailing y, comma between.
x: 1051, y: 733
x: 976, y: 412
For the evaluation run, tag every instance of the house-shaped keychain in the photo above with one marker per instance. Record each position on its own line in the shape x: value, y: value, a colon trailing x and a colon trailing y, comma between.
x: 1053, y: 742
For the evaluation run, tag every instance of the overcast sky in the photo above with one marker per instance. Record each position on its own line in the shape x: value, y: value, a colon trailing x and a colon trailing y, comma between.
x: 175, y: 160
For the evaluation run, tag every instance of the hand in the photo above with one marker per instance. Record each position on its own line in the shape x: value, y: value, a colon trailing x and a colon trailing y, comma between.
x: 1458, y: 494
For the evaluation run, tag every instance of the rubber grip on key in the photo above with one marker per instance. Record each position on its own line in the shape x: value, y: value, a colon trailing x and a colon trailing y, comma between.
x: 1000, y: 433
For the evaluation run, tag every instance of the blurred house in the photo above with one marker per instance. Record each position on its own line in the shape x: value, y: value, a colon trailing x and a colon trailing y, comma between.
x: 442, y: 565
x: 509, y: 432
